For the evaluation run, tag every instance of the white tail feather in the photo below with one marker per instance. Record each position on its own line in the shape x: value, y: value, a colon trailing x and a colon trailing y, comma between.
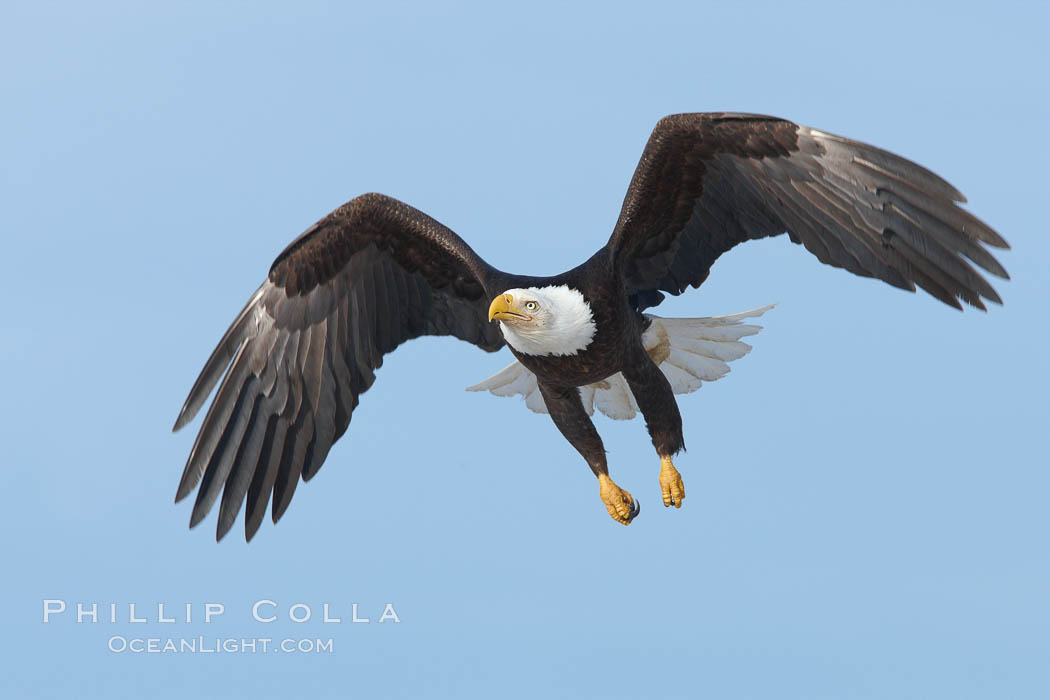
x: 689, y: 351
x: 587, y: 398
x: 616, y: 401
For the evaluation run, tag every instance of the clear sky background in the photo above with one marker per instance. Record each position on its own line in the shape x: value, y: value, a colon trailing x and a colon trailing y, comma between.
x: 867, y: 511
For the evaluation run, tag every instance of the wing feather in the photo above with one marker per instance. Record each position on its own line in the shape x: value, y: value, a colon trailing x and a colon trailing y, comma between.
x: 294, y: 363
x: 708, y: 182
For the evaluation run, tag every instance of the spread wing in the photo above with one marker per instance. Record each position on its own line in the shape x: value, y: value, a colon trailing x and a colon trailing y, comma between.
x: 707, y: 182
x: 366, y: 278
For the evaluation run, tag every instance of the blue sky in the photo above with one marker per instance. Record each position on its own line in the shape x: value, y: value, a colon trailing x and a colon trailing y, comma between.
x: 867, y: 489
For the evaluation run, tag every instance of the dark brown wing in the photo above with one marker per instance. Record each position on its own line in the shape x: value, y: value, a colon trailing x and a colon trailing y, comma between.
x: 366, y: 278
x: 707, y: 182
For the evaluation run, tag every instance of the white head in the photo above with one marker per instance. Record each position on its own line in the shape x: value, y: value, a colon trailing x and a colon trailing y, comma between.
x: 547, y: 321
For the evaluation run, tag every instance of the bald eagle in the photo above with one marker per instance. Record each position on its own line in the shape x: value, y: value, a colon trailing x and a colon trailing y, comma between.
x: 375, y: 273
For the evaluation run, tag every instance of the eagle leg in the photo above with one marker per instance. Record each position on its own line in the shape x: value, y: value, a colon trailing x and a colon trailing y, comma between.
x: 656, y: 400
x: 567, y: 412
x: 671, y: 485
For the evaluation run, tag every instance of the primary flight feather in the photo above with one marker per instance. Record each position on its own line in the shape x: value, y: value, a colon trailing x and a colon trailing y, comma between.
x: 376, y: 272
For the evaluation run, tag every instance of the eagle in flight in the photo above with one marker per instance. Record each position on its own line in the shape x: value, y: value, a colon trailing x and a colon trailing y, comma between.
x: 375, y: 273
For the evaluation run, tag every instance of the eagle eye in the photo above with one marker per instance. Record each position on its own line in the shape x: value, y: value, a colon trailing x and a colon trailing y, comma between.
x: 531, y: 306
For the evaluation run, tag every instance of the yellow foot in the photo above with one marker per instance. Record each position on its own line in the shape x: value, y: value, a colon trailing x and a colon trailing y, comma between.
x: 671, y: 485
x: 620, y: 504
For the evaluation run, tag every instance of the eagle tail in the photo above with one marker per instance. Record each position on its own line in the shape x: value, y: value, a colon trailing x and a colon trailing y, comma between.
x: 689, y: 351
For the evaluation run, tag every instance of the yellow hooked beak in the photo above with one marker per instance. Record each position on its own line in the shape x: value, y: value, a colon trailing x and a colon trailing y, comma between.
x: 502, y: 307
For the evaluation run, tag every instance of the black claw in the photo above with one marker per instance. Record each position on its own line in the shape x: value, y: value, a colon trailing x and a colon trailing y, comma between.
x: 636, y: 508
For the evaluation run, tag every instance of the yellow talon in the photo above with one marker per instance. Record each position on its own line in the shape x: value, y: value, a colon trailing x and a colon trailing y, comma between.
x: 621, y: 505
x: 671, y: 485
